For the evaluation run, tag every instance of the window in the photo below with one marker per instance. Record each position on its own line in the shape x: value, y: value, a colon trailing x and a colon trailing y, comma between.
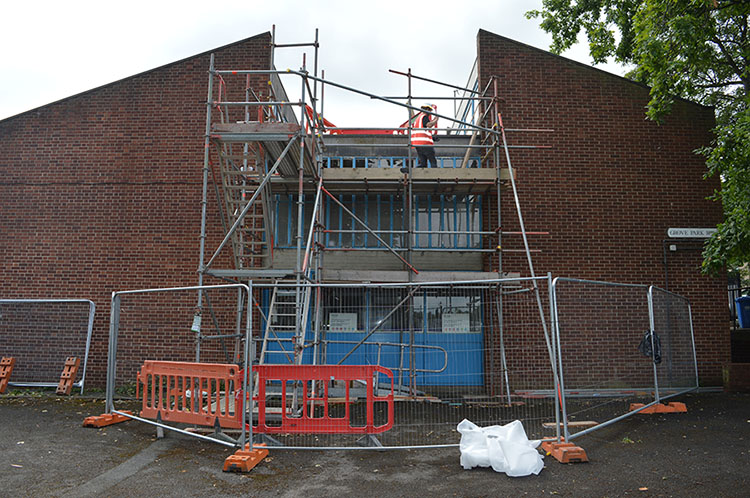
x: 433, y: 310
x: 441, y: 221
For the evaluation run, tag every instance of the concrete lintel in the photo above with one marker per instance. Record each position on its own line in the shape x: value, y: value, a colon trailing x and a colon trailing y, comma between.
x: 253, y: 127
x: 447, y: 175
x: 251, y: 274
x: 403, y: 276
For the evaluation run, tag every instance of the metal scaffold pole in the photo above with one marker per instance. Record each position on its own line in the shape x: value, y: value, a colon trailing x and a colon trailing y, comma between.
x: 204, y: 203
x: 526, y: 241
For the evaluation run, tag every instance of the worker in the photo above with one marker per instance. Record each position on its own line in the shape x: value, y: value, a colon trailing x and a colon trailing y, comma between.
x: 421, y: 137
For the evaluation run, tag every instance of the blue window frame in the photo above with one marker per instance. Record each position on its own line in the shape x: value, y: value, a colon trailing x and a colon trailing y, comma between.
x: 445, y: 220
x: 389, y: 161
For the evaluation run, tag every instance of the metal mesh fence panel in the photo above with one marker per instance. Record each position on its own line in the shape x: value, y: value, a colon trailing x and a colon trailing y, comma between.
x: 163, y: 326
x: 461, y: 350
x: 672, y: 324
x: 41, y: 335
x: 601, y: 326
x: 400, y: 365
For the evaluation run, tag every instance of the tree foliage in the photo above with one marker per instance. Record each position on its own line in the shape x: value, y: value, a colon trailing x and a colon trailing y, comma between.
x: 694, y: 49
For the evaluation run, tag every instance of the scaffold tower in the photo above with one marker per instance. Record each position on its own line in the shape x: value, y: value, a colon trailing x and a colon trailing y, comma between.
x: 300, y: 198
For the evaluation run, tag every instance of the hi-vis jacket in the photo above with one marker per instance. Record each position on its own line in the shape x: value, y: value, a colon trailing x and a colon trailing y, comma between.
x: 419, y: 135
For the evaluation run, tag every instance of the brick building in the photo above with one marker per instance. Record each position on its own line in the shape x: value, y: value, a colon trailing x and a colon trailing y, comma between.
x: 102, y: 191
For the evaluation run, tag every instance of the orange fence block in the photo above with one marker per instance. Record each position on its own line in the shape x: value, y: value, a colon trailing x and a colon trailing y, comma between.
x: 565, y: 452
x: 245, y: 460
x: 6, y: 368
x: 105, y: 419
x: 673, y: 407
x: 68, y: 376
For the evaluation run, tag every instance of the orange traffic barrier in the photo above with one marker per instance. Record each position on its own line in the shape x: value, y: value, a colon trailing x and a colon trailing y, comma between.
x: 6, y: 368
x: 565, y: 452
x: 68, y: 376
x: 191, y: 393
x: 245, y: 460
x: 673, y: 407
x: 105, y: 419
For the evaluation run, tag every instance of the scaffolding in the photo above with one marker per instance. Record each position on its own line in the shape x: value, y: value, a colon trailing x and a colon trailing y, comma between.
x: 265, y: 153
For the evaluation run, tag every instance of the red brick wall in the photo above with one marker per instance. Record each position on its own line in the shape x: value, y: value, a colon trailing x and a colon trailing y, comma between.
x: 102, y: 191
x: 611, y: 183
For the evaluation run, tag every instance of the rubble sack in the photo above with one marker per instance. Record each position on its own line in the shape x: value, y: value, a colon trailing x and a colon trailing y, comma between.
x: 505, y: 448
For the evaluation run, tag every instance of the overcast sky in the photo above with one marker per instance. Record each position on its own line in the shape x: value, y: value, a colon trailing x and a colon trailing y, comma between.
x: 54, y: 49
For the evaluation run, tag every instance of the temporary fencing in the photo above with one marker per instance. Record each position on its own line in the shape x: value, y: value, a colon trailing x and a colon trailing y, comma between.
x: 455, y: 349
x: 672, y: 323
x: 398, y: 365
x: 183, y: 358
x: 41, y: 334
x: 615, y: 344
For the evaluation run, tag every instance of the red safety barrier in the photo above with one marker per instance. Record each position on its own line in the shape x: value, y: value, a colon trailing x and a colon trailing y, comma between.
x: 193, y: 393
x: 313, y: 413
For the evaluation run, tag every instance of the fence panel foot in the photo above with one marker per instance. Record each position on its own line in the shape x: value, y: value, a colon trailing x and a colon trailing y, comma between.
x: 565, y: 452
x: 245, y: 460
x: 265, y: 440
x: 369, y: 441
x: 672, y: 407
x: 105, y: 419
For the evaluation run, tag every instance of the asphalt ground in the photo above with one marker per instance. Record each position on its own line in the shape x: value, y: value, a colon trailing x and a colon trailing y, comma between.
x: 45, y: 451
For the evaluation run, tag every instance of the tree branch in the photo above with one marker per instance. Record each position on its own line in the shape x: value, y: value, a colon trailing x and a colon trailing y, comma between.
x: 732, y: 63
x: 720, y: 85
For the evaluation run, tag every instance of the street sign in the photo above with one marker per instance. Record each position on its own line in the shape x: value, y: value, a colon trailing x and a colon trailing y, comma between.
x: 690, y: 233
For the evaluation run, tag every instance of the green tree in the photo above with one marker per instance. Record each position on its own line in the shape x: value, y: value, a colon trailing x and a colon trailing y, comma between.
x: 694, y: 49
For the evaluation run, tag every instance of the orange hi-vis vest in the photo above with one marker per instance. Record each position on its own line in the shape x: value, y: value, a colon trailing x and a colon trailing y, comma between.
x: 419, y: 135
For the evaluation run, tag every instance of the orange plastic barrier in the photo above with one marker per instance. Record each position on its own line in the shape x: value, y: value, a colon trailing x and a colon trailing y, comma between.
x: 203, y: 393
x: 314, y: 410
x: 6, y: 368
x: 68, y: 375
x: 193, y: 393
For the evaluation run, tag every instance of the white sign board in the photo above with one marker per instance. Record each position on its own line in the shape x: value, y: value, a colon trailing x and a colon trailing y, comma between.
x: 456, y: 323
x: 690, y: 233
x: 342, y: 322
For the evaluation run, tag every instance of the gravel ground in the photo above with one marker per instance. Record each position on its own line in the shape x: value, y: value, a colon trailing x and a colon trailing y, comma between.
x: 46, y: 452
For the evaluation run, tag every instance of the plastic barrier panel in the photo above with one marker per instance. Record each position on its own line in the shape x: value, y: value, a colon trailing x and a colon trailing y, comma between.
x: 304, y: 401
x: 192, y: 393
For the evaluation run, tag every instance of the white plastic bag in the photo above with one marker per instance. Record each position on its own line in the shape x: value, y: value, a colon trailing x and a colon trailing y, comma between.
x: 505, y: 448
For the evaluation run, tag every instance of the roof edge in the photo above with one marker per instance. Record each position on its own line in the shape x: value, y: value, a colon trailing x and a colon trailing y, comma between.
x: 137, y: 75
x: 586, y: 66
